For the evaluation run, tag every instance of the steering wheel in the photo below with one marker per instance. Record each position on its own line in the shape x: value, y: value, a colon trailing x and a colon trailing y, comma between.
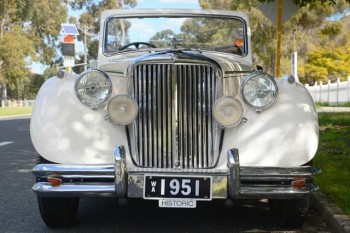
x: 137, y: 45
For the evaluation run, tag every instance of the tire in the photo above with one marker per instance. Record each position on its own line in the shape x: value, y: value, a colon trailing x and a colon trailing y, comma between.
x: 57, y: 212
x: 290, y: 213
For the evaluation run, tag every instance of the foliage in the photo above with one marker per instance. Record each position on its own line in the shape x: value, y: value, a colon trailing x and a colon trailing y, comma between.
x: 333, y: 157
x: 45, y: 28
x: 29, y: 31
x: 329, y: 59
x: 32, y: 27
x: 324, y: 63
x: 14, y: 48
x: 161, y: 39
x: 49, y: 72
x: 91, y: 18
x: 308, y: 32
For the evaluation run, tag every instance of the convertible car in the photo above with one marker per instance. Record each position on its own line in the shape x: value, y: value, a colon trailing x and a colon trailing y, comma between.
x: 174, y: 112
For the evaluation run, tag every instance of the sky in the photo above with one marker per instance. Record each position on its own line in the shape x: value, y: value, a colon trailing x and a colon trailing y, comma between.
x: 188, y: 4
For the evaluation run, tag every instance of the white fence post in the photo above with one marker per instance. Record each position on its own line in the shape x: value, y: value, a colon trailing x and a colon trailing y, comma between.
x: 338, y: 80
x: 320, y: 95
x: 329, y: 85
x: 337, y: 93
x: 348, y: 88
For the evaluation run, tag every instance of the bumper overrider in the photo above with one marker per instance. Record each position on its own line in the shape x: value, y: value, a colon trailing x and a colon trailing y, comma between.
x: 235, y: 182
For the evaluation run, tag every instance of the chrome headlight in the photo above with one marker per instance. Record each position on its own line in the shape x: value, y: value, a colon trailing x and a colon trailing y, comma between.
x: 93, y: 88
x: 122, y: 109
x: 227, y: 111
x: 259, y: 90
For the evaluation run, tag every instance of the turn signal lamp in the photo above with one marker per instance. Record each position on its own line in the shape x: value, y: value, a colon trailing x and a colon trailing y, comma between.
x: 54, y: 181
x: 122, y: 109
x: 298, y: 184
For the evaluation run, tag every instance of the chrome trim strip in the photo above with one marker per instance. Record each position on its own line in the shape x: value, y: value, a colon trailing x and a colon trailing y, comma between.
x: 234, y: 185
x: 44, y: 170
x: 277, y: 171
x: 120, y: 171
x: 271, y: 192
x: 45, y: 189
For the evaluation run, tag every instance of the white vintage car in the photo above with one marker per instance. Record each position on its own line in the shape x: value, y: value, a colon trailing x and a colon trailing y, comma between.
x: 174, y: 113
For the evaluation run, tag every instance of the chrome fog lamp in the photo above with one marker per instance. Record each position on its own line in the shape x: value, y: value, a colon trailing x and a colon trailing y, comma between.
x: 227, y: 111
x: 122, y: 109
x: 259, y: 90
x: 93, y: 88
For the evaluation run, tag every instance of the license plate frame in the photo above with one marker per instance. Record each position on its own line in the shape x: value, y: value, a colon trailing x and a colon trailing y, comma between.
x: 159, y: 187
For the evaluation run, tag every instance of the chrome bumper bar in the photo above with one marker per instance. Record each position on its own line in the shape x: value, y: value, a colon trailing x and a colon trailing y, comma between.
x: 114, y: 180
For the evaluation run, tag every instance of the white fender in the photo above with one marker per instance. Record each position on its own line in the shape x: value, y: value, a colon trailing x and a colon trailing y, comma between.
x: 63, y: 130
x: 284, y: 135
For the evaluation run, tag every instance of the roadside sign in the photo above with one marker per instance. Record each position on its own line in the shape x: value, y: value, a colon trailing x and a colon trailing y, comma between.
x: 270, y: 10
x: 68, y: 61
x: 70, y: 29
x: 68, y: 39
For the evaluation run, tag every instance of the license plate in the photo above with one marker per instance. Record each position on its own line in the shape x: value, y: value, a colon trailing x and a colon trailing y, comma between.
x: 177, y: 187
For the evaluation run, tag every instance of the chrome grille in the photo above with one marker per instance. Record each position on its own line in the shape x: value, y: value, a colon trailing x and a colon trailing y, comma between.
x: 174, y: 127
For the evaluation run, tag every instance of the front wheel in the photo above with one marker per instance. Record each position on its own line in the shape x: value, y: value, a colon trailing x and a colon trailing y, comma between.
x: 290, y: 213
x: 58, y: 212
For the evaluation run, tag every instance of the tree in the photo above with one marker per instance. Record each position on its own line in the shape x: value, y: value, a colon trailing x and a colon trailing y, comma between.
x: 161, y: 39
x: 300, y: 33
x: 91, y: 18
x: 330, y: 57
x: 28, y: 31
x: 15, y: 47
x: 45, y: 27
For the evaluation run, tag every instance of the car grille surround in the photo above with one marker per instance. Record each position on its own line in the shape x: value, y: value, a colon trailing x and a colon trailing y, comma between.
x: 175, y: 128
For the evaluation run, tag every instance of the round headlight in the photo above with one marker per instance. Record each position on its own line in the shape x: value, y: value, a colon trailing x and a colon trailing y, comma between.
x: 122, y: 109
x: 259, y: 90
x: 227, y: 111
x: 93, y: 88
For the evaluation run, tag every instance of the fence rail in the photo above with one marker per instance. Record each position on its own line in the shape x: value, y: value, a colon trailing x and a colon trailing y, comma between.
x: 331, y: 93
x: 15, y: 103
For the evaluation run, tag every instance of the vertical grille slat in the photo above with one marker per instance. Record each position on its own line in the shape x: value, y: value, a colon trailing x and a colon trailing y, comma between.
x: 174, y: 126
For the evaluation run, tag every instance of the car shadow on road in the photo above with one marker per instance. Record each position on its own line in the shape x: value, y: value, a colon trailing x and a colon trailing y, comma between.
x: 105, y: 215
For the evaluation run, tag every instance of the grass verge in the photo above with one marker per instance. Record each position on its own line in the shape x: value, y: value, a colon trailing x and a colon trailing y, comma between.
x: 333, y: 157
x: 13, y: 111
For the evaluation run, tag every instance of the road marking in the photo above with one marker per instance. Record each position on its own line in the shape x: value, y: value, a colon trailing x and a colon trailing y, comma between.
x: 5, y: 143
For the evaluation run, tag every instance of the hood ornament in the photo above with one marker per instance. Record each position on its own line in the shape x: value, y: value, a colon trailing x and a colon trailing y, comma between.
x: 175, y: 42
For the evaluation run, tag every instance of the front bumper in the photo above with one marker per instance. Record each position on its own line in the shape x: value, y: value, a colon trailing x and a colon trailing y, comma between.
x: 115, y: 180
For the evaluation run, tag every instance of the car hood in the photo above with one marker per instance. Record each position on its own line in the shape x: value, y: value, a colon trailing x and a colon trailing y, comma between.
x: 227, y: 65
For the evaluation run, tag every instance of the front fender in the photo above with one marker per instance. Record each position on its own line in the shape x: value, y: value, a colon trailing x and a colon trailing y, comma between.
x: 284, y: 135
x: 63, y: 130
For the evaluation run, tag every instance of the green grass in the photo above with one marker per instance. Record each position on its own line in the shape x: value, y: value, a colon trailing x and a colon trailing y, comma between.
x: 13, y: 111
x: 333, y: 157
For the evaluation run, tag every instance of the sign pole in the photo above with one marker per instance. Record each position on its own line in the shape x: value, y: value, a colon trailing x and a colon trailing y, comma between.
x: 279, y: 35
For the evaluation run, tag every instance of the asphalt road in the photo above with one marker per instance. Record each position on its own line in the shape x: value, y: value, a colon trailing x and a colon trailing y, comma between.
x: 19, y: 211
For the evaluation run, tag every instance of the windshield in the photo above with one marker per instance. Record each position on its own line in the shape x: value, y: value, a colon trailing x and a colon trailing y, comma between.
x: 158, y: 33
